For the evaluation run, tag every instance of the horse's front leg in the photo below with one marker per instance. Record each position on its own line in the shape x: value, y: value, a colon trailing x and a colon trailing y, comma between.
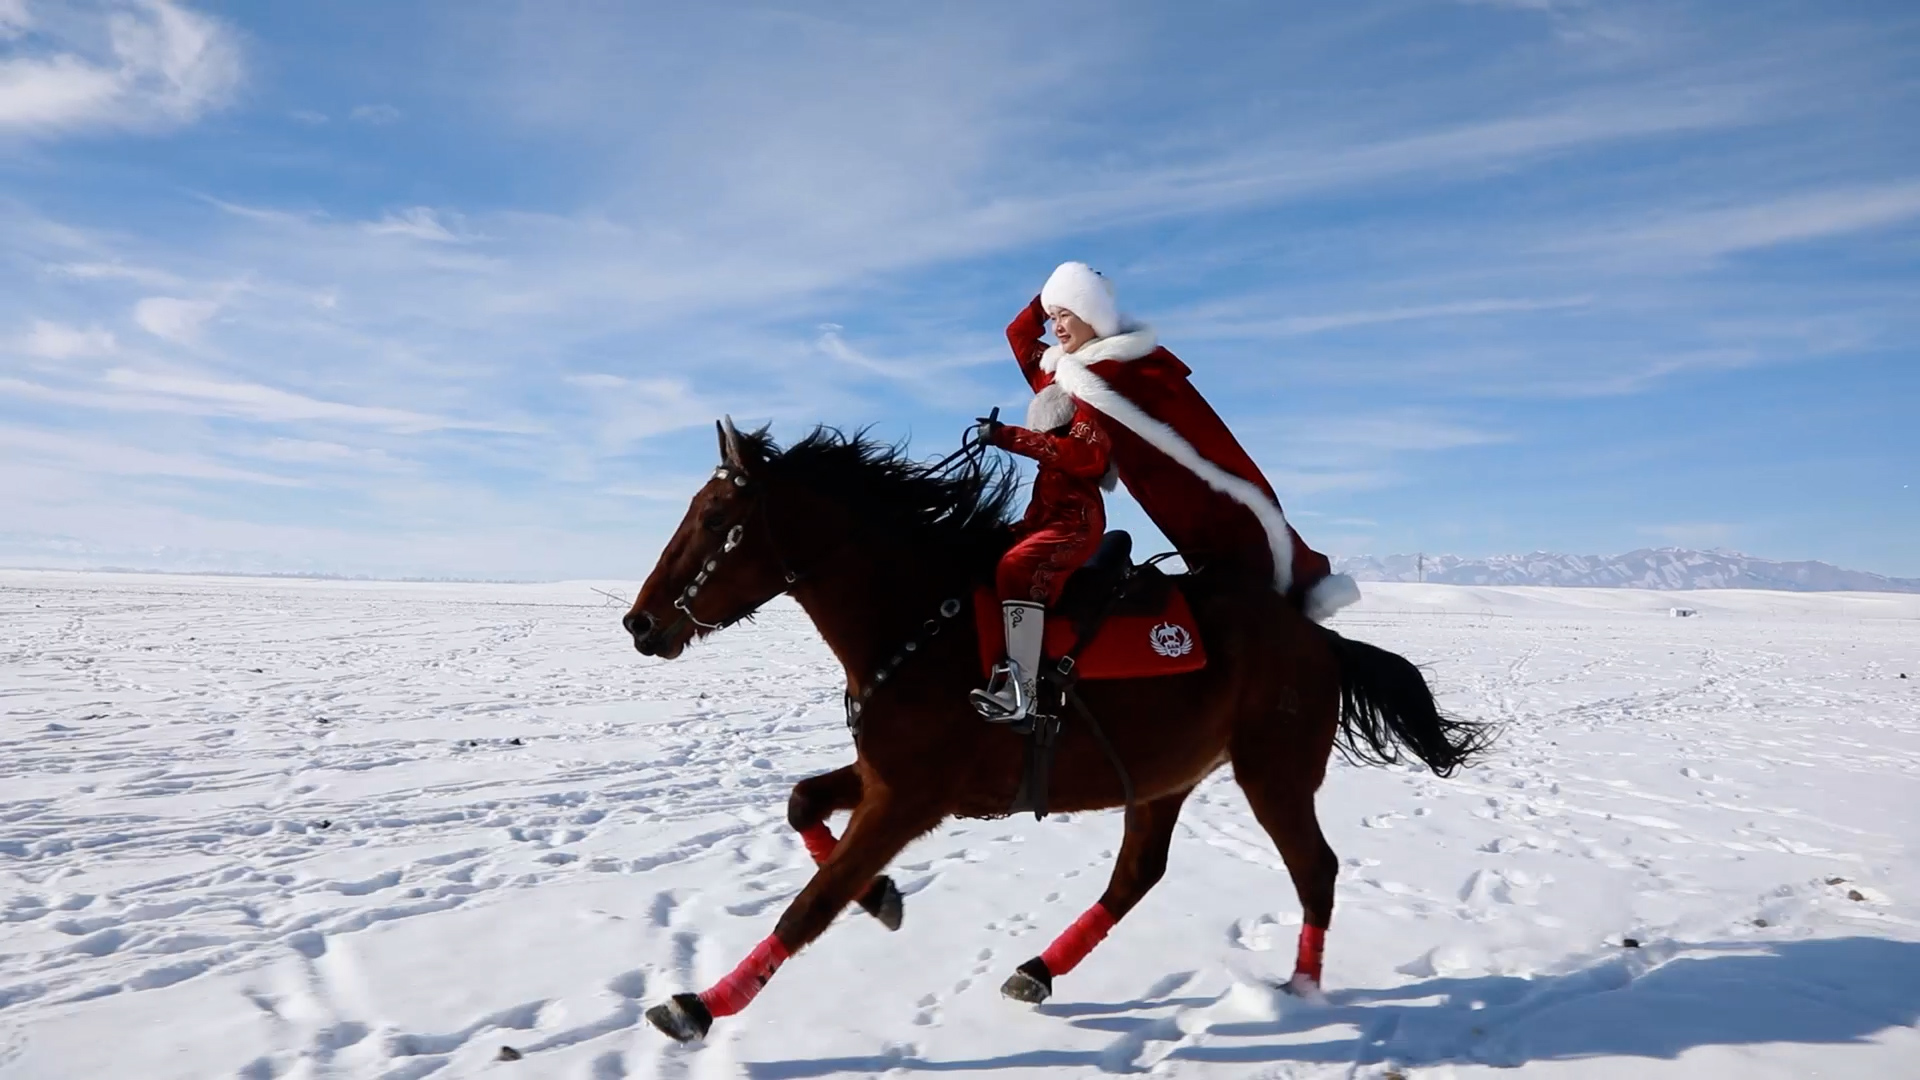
x: 881, y: 826
x: 815, y: 798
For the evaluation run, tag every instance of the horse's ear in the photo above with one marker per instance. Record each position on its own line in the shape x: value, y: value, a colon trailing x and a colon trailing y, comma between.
x: 730, y: 455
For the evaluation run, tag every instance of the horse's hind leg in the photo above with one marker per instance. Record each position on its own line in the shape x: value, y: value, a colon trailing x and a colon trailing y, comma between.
x: 1143, y: 859
x: 1281, y: 794
x: 812, y: 801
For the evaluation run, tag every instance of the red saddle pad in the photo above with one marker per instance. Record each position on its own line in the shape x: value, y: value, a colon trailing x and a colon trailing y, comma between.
x: 1126, y: 647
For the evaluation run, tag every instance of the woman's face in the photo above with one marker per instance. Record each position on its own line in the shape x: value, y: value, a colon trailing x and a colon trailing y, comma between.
x: 1070, y: 330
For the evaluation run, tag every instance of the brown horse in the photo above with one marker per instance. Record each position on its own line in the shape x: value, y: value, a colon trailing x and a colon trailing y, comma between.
x: 882, y: 553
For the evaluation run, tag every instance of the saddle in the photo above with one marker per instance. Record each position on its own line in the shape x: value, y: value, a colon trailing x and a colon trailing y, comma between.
x: 1115, y: 620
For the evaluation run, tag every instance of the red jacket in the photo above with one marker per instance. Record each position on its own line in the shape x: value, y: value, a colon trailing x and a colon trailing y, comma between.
x: 1177, y: 457
x: 1066, y: 487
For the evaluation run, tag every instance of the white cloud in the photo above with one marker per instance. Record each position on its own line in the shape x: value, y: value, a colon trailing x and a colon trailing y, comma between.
x: 114, y: 271
x: 631, y: 409
x: 309, y: 116
x: 99, y: 456
x: 162, y: 65
x: 129, y: 390
x: 257, y: 402
x: 57, y: 341
x: 417, y: 222
x: 1706, y: 234
x: 376, y: 115
x: 173, y: 318
x: 14, y: 19
x: 1202, y: 323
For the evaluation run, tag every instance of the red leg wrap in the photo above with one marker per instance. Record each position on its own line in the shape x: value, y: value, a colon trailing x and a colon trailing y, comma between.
x: 1313, y: 949
x: 819, y: 840
x: 743, y: 984
x: 1073, y: 945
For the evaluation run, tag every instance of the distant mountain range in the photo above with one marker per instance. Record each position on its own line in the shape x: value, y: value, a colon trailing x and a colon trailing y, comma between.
x: 1648, y: 568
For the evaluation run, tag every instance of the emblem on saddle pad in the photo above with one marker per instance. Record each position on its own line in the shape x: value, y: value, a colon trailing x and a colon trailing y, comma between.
x: 1170, y: 639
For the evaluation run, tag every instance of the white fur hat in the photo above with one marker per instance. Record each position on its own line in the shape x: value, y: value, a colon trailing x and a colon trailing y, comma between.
x: 1079, y: 288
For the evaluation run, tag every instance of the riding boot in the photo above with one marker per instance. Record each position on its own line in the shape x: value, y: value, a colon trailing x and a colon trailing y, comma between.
x: 1009, y: 695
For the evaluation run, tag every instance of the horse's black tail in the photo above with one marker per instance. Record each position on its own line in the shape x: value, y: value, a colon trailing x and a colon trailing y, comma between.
x: 1385, y: 705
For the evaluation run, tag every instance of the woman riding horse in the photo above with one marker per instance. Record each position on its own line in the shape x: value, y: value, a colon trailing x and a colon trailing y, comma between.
x: 1169, y: 447
x: 1108, y: 393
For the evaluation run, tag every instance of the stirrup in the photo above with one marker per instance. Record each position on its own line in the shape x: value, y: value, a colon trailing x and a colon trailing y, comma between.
x: 1005, y: 699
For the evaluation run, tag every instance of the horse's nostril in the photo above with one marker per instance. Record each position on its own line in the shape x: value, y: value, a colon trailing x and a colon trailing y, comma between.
x: 638, y: 623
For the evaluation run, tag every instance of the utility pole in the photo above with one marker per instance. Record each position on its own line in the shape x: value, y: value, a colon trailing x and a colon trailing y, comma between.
x: 1421, y: 563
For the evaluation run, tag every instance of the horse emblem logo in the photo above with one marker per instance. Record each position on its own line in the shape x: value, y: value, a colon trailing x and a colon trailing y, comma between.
x: 1170, y: 639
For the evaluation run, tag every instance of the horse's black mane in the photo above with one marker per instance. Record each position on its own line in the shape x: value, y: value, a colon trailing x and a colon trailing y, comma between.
x: 962, y: 508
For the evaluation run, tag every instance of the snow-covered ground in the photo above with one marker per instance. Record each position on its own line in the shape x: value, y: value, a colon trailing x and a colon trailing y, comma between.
x: 259, y: 829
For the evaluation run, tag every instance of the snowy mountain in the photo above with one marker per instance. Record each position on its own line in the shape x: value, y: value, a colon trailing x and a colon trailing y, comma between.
x: 1647, y: 568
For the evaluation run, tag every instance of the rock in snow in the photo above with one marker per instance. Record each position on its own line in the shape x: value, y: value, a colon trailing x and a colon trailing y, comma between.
x: 1735, y: 795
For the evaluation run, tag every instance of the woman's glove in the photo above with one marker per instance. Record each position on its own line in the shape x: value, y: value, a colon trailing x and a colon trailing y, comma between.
x: 987, y: 428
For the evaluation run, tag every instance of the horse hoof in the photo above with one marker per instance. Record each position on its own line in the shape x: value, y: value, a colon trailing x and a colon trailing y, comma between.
x: 1031, y: 982
x: 884, y: 902
x: 683, y: 1019
x: 1305, y: 987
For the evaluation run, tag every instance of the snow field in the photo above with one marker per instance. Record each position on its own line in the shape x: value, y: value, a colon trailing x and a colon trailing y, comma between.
x: 255, y: 828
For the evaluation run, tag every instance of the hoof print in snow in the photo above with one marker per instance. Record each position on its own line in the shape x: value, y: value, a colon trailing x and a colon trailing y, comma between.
x: 1629, y: 942
x: 1031, y: 982
x: 323, y: 823
x: 683, y: 1019
x: 1856, y: 894
x: 1836, y: 881
x: 1761, y: 923
x: 508, y: 1053
x: 884, y: 902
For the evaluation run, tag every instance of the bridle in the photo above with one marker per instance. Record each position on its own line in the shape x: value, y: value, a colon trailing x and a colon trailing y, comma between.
x: 684, y: 602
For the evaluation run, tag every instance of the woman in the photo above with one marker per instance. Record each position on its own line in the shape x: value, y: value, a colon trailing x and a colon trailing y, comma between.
x: 1061, y: 530
x: 1168, y: 446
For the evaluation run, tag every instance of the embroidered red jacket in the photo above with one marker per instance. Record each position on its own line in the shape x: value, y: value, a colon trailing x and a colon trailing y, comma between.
x: 1066, y: 487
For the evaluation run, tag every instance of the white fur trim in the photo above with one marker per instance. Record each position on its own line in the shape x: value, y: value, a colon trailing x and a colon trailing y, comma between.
x: 1330, y: 594
x: 1079, y: 288
x: 1050, y: 408
x: 1132, y: 343
x: 1070, y: 371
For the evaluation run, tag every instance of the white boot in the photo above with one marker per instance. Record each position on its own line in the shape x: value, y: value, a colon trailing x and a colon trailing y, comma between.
x: 1008, y: 697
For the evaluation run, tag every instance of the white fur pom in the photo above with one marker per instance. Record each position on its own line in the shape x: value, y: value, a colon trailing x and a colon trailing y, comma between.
x: 1330, y: 594
x: 1050, y: 408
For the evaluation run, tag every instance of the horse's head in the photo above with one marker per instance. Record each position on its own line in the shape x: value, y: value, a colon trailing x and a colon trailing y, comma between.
x: 722, y: 563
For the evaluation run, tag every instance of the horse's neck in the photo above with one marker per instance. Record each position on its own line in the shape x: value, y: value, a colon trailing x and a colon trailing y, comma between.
x: 870, y: 603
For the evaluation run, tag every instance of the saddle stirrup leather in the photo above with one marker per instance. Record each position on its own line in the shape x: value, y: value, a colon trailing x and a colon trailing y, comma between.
x: 1009, y: 696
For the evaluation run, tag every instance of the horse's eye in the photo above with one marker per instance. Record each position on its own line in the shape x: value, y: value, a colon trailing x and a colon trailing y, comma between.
x: 714, y: 523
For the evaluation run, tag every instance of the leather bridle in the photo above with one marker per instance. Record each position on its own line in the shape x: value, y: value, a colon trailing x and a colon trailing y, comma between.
x: 708, y: 566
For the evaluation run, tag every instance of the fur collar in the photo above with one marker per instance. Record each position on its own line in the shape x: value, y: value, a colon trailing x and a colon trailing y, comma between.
x: 1131, y: 343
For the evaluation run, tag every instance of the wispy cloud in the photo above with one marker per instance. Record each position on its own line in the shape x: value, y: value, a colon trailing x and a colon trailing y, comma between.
x: 56, y: 341
x: 161, y: 65
x: 1729, y: 230
x: 99, y: 456
x: 378, y: 114
x: 173, y: 318
x: 1211, y: 321
x: 417, y: 223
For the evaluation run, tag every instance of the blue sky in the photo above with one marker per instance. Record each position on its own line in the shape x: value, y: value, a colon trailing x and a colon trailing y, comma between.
x: 458, y: 289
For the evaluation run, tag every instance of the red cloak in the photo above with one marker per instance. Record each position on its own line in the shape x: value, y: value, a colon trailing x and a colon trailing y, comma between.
x: 1177, y: 457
